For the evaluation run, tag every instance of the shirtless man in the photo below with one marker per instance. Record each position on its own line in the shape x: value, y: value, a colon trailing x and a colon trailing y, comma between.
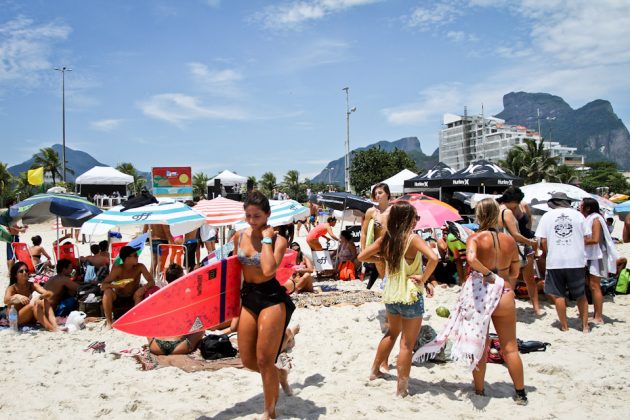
x: 124, y: 282
x: 312, y: 220
x: 98, y: 259
x: 62, y: 288
x: 160, y: 235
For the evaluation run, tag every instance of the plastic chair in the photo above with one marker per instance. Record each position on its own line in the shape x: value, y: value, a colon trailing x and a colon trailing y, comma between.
x: 115, y: 250
x: 22, y: 253
x: 67, y: 251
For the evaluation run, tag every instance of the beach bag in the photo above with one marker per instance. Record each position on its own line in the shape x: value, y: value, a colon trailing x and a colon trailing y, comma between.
x: 608, y: 286
x: 346, y: 270
x: 214, y: 347
x: 622, y: 282
x: 531, y: 346
x: 494, y: 351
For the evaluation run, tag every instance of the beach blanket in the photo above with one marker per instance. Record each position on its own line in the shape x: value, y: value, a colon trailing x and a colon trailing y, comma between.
x: 467, y: 326
x: 606, y: 248
x: 187, y: 362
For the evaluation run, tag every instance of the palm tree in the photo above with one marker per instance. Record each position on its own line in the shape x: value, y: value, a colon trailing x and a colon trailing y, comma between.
x: 292, y: 183
x: 49, y: 160
x: 200, y: 184
x: 23, y: 188
x: 566, y: 175
x: 530, y: 161
x: 5, y: 182
x: 267, y: 183
x: 129, y: 169
x: 253, y: 180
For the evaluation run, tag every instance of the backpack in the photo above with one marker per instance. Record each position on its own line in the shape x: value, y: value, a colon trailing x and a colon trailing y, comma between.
x: 214, y: 347
x: 622, y: 282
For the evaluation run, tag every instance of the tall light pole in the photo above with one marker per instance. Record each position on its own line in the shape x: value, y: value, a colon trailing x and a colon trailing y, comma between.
x: 347, y: 160
x: 63, y: 71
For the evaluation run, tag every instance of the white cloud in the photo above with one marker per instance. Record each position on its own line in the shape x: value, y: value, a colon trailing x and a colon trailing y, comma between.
x: 461, y: 36
x: 213, y: 3
x: 25, y: 48
x: 430, y: 17
x: 317, y: 53
x: 106, y: 125
x: 217, y: 82
x: 177, y: 108
x: 291, y: 15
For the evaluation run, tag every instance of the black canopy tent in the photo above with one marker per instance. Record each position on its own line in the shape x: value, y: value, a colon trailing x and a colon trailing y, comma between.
x: 429, y: 182
x: 481, y: 175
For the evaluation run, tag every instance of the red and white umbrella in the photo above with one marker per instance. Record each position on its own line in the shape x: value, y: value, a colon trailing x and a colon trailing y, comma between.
x: 221, y: 211
x: 433, y: 213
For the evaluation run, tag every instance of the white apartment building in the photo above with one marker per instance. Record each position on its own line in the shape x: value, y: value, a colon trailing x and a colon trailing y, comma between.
x: 467, y: 138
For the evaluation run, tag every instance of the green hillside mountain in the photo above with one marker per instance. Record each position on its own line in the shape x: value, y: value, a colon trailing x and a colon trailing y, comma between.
x: 334, y: 170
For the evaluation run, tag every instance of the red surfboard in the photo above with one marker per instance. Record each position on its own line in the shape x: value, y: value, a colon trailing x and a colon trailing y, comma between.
x: 200, y: 300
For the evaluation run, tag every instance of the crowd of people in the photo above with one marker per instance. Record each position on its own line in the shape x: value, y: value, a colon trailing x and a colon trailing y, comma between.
x: 571, y: 249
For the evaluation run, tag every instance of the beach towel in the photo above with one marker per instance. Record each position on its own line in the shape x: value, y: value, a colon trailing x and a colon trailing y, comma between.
x: 467, y: 326
x: 606, y: 248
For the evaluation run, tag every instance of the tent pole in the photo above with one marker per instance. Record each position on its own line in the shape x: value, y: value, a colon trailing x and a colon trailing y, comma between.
x: 154, y: 268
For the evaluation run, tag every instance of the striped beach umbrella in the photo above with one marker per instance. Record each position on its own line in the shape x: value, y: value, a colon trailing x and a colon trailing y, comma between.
x: 221, y: 211
x: 180, y: 218
x: 73, y: 210
x: 283, y: 212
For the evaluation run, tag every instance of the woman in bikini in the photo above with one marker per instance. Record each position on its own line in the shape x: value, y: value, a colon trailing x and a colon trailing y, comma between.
x: 266, y: 307
x: 303, y: 276
x: 185, y: 344
x: 492, y: 253
x: 515, y: 219
x: 19, y: 294
x: 375, y: 223
x: 401, y: 252
x: 37, y: 251
x: 319, y: 231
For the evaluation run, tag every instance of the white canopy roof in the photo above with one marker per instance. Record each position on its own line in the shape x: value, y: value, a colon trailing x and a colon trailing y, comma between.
x: 228, y: 178
x: 104, y: 175
x: 397, y: 181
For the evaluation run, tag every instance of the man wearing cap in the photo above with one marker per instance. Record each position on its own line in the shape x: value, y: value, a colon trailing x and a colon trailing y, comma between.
x: 123, y: 283
x: 562, y: 231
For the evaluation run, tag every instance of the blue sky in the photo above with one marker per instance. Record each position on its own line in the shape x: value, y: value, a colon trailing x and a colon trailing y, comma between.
x: 256, y: 86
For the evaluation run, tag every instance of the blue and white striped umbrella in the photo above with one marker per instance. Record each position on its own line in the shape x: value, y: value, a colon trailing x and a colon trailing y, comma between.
x: 179, y: 217
x: 283, y: 212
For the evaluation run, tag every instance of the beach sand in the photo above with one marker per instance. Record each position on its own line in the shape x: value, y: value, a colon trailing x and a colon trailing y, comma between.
x: 49, y: 376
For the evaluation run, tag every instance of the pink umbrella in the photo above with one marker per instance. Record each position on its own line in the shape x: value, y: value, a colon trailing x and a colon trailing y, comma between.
x: 433, y: 212
x: 221, y: 211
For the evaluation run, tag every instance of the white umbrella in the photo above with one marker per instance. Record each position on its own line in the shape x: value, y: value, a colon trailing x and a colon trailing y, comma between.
x: 180, y: 218
x: 541, y: 192
x: 283, y: 212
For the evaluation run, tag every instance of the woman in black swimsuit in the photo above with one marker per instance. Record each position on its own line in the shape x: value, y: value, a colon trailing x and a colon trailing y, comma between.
x: 493, y: 253
x: 515, y: 220
x: 266, y: 307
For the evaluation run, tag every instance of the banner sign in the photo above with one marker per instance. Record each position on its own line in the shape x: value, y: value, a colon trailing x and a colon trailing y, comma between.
x: 173, y: 182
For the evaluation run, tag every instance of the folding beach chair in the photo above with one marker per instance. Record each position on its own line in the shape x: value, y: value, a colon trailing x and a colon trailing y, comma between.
x: 67, y: 251
x: 22, y: 253
x: 169, y: 254
x: 115, y: 250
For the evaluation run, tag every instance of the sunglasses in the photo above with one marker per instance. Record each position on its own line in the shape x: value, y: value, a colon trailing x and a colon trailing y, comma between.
x: 24, y: 270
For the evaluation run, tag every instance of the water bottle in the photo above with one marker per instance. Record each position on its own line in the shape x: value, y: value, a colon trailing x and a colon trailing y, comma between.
x: 13, y: 319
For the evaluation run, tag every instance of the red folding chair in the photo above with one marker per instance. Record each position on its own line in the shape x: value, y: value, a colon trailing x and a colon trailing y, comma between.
x: 22, y: 253
x: 67, y: 251
x: 115, y: 250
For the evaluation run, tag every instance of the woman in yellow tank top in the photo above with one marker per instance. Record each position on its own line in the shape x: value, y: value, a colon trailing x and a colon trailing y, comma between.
x: 401, y: 251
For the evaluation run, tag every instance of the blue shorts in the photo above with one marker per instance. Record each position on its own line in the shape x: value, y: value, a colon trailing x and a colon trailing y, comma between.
x: 311, y: 219
x: 411, y: 310
x: 155, y: 246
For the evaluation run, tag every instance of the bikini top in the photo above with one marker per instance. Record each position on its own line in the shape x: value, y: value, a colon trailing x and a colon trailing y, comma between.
x: 250, y: 261
x: 495, y: 241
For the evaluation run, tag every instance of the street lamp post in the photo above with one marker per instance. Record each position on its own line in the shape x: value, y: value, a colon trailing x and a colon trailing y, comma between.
x: 63, y: 71
x: 347, y: 160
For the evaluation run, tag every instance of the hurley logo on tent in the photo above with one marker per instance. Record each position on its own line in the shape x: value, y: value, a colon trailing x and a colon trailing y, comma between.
x: 504, y: 181
x: 421, y: 184
x: 461, y: 182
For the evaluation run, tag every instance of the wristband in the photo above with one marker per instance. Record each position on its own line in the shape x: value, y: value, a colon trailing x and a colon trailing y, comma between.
x: 267, y: 240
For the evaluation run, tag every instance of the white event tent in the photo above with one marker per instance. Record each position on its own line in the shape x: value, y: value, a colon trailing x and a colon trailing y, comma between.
x: 228, y: 178
x: 396, y: 182
x: 103, y: 180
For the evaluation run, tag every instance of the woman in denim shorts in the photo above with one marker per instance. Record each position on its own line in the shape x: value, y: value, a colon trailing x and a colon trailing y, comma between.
x: 401, y: 250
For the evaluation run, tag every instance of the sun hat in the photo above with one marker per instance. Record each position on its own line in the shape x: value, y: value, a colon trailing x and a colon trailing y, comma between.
x: 560, y: 199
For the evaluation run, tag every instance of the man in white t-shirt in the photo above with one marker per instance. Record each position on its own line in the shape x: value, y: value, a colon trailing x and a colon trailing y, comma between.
x: 562, y: 231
